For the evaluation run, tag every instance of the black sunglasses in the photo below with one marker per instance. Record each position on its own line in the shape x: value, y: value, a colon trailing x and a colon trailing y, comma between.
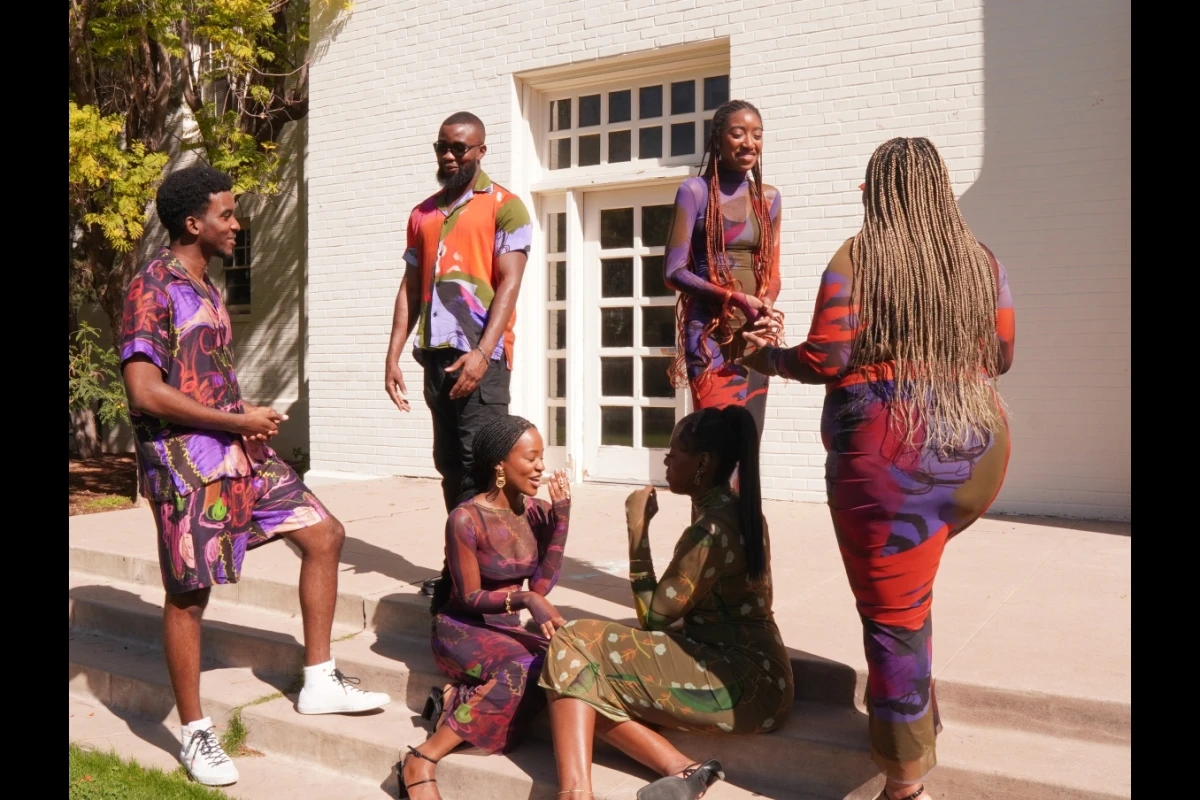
x: 458, y: 148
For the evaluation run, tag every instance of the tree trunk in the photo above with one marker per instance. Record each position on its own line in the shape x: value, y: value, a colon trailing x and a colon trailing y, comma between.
x: 85, y: 433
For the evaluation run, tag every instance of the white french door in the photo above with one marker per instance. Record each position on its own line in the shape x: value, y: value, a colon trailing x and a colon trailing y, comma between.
x: 628, y: 321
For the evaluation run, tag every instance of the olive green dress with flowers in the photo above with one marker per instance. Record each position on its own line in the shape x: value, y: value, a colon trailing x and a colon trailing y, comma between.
x: 724, y: 669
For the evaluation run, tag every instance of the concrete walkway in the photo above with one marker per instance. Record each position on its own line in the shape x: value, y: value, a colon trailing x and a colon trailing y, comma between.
x: 1022, y: 603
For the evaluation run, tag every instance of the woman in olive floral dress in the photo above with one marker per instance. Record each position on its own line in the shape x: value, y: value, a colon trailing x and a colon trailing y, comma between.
x: 724, y: 669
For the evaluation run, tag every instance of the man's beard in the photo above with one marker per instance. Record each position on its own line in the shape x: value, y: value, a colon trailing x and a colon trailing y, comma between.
x: 465, y: 175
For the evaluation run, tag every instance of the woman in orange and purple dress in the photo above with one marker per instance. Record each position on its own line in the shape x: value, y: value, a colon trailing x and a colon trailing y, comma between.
x: 913, y: 323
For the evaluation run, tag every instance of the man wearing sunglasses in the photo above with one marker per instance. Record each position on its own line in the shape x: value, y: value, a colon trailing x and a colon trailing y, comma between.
x: 466, y: 253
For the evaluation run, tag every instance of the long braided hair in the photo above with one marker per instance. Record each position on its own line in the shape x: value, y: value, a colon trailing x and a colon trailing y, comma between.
x: 730, y: 435
x: 490, y: 446
x: 925, y: 295
x: 714, y: 229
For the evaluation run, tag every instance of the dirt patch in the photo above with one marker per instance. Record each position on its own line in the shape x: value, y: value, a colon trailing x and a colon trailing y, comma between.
x: 105, y: 483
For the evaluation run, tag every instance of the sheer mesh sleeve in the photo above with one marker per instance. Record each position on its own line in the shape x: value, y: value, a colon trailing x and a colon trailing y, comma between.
x: 461, y: 537
x: 549, y: 525
x: 690, y: 202
x: 690, y: 576
x: 1006, y: 321
x: 774, y: 280
x: 825, y: 355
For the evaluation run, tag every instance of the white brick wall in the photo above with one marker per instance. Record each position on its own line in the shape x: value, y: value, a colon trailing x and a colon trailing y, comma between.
x: 1028, y: 102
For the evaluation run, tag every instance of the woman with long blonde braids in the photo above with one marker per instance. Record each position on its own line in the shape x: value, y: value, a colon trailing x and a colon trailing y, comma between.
x: 913, y: 322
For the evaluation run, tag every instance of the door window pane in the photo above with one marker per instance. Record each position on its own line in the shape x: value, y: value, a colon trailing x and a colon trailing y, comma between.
x: 616, y: 426
x: 658, y: 326
x: 616, y: 277
x: 619, y: 105
x: 616, y: 377
x: 656, y: 382
x: 616, y: 228
x: 558, y: 330
x: 558, y: 233
x: 657, y: 426
x: 560, y: 154
x: 558, y: 377
x: 589, y: 111
x: 558, y: 426
x: 683, y: 97
x: 650, y: 143
x: 650, y: 102
x: 620, y: 146
x: 616, y: 327
x: 653, y: 284
x: 683, y: 138
x: 656, y: 224
x: 589, y: 150
x: 558, y: 281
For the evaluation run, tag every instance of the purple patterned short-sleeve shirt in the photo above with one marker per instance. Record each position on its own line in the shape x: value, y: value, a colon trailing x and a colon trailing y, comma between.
x: 183, y: 328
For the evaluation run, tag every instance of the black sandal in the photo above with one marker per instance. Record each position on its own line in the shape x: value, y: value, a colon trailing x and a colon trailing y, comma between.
x: 404, y: 787
x: 696, y: 779
x: 433, y: 705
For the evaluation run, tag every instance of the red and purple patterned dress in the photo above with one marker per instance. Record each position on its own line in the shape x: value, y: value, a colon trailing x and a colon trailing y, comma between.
x: 715, y: 380
x: 488, y: 655
x: 894, y: 507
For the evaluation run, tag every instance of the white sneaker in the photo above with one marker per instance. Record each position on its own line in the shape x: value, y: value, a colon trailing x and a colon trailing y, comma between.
x: 203, y: 757
x: 327, y: 691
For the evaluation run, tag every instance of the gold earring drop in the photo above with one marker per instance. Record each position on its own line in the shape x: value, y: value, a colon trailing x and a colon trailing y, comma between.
x: 500, y: 478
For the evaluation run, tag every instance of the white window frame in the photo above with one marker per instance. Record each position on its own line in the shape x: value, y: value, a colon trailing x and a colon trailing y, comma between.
x: 546, y: 190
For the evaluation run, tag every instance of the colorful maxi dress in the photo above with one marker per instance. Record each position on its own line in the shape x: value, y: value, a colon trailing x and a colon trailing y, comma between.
x: 487, y: 654
x: 894, y: 507
x: 715, y: 380
x: 724, y: 671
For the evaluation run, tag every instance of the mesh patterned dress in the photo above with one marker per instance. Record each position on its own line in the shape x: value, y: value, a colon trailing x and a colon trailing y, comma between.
x: 714, y: 379
x: 487, y: 654
x: 723, y: 670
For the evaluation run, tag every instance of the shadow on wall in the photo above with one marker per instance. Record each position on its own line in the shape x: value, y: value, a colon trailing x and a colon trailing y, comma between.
x: 1053, y: 201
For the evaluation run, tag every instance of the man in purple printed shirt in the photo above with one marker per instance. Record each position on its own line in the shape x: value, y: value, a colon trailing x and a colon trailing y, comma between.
x: 215, y: 487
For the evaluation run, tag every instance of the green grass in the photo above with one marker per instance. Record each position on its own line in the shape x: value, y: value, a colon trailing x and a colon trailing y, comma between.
x: 110, y: 501
x: 106, y: 776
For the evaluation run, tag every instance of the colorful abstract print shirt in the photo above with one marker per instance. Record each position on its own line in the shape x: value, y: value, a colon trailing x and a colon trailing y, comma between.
x: 455, y: 250
x: 183, y: 328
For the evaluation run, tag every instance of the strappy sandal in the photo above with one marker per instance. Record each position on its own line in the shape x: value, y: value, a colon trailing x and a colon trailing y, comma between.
x: 404, y: 787
x: 920, y: 791
x: 696, y: 779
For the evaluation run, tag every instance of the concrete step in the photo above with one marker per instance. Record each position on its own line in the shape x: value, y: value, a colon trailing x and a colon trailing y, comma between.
x: 129, y: 682
x: 403, y: 612
x: 830, y: 741
x: 154, y: 745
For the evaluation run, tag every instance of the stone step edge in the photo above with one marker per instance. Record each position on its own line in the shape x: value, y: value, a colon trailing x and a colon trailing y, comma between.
x: 963, y: 781
x: 817, y: 679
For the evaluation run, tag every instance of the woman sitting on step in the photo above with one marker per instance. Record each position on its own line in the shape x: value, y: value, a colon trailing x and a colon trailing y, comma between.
x: 725, y: 670
x: 495, y: 540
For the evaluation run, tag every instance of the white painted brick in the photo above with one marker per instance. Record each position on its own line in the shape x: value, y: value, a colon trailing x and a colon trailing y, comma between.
x: 1029, y: 104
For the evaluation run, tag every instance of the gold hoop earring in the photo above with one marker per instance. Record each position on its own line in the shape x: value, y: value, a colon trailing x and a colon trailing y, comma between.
x: 500, y: 477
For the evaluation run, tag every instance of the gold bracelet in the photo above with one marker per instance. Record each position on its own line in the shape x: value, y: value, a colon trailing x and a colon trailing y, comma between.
x: 508, y: 603
x: 637, y: 576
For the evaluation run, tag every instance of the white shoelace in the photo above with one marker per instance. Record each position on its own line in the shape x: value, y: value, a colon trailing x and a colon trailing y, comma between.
x: 204, y: 743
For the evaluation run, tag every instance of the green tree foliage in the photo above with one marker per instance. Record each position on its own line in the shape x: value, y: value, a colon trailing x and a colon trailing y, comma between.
x: 92, y: 378
x: 239, y: 67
